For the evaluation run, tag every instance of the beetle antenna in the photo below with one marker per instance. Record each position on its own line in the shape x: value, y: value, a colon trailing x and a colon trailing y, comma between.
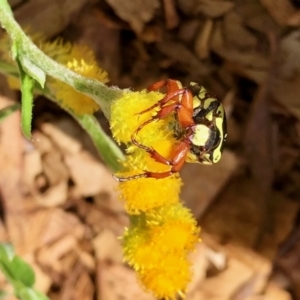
x: 123, y: 179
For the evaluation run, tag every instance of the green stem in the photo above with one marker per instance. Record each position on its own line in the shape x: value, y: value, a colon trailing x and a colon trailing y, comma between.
x: 101, y: 93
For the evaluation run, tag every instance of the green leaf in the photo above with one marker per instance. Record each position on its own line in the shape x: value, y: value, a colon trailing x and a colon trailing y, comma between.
x: 27, y: 87
x: 14, y: 267
x: 30, y: 294
x: 27, y: 104
x: 6, y: 256
x: 7, y: 252
x: 22, y: 271
x: 7, y: 111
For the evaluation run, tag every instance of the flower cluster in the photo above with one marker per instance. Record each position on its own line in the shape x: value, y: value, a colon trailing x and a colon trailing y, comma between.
x: 81, y: 60
x: 162, y: 230
x: 78, y: 58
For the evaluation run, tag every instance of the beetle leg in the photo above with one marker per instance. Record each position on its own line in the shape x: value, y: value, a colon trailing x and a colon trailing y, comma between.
x: 172, y: 86
x: 166, y: 110
x: 176, y: 163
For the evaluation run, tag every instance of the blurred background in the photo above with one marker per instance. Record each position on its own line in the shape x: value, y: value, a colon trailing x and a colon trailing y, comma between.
x: 59, y: 206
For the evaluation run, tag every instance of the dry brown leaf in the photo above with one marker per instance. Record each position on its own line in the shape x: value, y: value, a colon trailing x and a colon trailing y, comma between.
x: 172, y: 19
x: 11, y: 158
x: 246, y: 273
x: 135, y: 12
x: 122, y: 279
x: 237, y: 217
x: 213, y: 8
x: 54, y: 196
x: 294, y: 19
x: 280, y: 10
x: 200, y: 265
x: 203, y: 183
x: 181, y: 54
x: 256, y: 16
x: 95, y: 27
x: 86, y: 259
x: 32, y: 167
x: 42, y: 280
x: 50, y: 256
x: 78, y: 285
x: 64, y: 134
x: 107, y: 247
x: 202, y: 45
x: 273, y: 292
x: 89, y: 175
x: 286, y: 80
x: 31, y: 232
x: 42, y: 142
x: 247, y: 63
x: 233, y: 29
x: 52, y: 18
x: 258, y: 140
x: 59, y: 224
x: 55, y: 168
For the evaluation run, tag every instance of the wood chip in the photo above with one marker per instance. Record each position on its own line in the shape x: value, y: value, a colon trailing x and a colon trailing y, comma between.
x: 107, y: 247
x: 78, y: 285
x: 214, y: 8
x: 280, y: 10
x: 171, y: 15
x: 50, y: 256
x: 202, y: 47
x: 135, y: 12
x: 89, y: 175
x: 52, y: 18
x: 42, y: 279
x: 55, y: 168
x: 59, y: 224
x: 32, y: 168
x: 11, y: 152
x: 122, y: 279
x: 209, y: 181
x: 61, y: 134
x: 273, y: 292
x: 55, y: 195
x: 42, y: 142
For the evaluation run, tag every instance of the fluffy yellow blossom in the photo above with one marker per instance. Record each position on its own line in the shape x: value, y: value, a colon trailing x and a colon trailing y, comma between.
x: 70, y: 98
x: 125, y: 118
x: 81, y: 60
x: 173, y: 228
x: 162, y: 231
x: 168, y: 279
x: 169, y: 229
x: 78, y: 58
x: 138, y: 197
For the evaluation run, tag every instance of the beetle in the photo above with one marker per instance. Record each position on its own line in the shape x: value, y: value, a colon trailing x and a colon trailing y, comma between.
x: 200, y: 127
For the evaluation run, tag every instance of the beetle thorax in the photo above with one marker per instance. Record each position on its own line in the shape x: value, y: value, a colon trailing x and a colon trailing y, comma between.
x: 200, y: 135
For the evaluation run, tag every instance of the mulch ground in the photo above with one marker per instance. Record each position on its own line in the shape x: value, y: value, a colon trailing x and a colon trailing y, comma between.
x: 65, y: 222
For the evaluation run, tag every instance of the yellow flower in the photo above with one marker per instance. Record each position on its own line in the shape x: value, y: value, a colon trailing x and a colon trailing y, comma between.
x: 139, y: 197
x: 70, y: 98
x: 169, y: 229
x: 138, y: 248
x: 167, y: 279
x: 162, y: 231
x: 79, y: 59
x: 173, y: 228
x: 125, y: 118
